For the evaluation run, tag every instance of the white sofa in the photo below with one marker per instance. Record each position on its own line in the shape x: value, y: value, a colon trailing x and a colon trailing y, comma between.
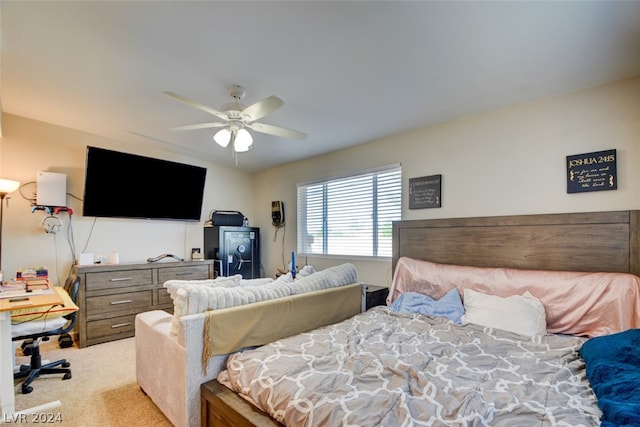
x: 169, y: 348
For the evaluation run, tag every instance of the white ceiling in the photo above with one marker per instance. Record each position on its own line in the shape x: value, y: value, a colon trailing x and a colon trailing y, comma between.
x: 349, y: 72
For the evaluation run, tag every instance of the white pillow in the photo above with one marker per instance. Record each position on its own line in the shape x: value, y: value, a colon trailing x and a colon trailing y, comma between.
x: 522, y: 314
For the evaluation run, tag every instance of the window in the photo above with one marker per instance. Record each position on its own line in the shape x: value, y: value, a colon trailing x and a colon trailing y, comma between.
x: 350, y: 215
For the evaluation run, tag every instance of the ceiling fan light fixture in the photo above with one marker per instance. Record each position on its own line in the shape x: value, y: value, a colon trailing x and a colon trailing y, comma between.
x: 222, y: 137
x: 236, y: 118
x: 242, y: 141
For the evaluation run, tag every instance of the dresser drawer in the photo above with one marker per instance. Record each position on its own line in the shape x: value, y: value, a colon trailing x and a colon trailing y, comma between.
x: 194, y: 272
x: 117, y: 302
x: 114, y: 325
x: 112, y: 295
x: 118, y: 279
x: 164, y: 297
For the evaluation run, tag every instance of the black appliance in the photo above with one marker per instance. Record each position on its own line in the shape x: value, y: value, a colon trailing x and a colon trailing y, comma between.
x: 236, y: 250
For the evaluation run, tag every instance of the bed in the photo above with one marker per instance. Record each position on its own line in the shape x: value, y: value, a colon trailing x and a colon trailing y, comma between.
x: 422, y: 361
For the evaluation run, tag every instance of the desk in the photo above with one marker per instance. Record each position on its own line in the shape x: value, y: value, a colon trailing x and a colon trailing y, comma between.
x: 7, y: 389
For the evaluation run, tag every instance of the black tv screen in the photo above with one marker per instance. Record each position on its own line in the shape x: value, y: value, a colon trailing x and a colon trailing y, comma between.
x: 126, y: 185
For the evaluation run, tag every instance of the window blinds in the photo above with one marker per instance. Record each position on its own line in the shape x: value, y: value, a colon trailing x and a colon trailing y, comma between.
x: 350, y: 215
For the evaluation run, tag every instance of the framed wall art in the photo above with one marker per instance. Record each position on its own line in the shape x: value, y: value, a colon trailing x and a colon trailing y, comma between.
x: 592, y: 172
x: 425, y: 192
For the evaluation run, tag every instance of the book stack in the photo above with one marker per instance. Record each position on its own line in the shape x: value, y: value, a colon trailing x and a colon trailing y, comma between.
x: 12, y: 288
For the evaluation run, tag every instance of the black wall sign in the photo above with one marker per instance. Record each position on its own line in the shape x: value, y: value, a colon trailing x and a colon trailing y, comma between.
x: 592, y: 172
x: 425, y: 192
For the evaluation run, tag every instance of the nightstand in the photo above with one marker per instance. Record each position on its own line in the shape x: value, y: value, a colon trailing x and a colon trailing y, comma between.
x: 374, y: 295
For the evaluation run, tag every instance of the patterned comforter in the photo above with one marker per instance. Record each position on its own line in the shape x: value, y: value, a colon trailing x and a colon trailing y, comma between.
x: 392, y: 369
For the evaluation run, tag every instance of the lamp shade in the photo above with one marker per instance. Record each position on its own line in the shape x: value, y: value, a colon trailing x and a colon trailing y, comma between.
x: 8, y: 186
x: 243, y: 141
x: 222, y: 137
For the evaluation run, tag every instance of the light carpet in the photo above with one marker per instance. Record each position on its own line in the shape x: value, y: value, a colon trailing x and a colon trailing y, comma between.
x: 102, y: 391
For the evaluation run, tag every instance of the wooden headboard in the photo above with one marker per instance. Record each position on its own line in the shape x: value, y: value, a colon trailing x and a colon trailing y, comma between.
x: 592, y: 241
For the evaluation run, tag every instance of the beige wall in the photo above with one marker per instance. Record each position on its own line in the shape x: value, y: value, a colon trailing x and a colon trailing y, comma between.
x: 510, y: 161
x: 29, y: 146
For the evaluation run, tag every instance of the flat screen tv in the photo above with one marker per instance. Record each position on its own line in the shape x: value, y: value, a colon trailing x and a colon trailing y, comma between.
x: 123, y: 185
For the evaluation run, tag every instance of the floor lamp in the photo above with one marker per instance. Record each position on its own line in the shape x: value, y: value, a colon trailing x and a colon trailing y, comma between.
x: 6, y: 186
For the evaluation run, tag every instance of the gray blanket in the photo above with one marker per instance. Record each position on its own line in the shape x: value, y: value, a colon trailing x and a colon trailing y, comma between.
x: 391, y: 369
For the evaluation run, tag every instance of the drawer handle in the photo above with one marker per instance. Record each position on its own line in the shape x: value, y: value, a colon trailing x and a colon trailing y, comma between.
x: 120, y: 279
x: 185, y: 273
x: 120, y: 325
x: 125, y: 301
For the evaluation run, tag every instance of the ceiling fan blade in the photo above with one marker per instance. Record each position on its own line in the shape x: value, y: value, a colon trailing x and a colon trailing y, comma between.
x: 200, y: 126
x: 209, y: 110
x: 276, y: 130
x: 261, y: 108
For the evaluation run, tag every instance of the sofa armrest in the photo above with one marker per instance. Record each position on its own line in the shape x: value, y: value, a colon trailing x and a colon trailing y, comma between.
x: 166, y: 371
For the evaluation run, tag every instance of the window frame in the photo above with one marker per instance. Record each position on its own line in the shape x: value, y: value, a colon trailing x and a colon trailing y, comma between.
x: 394, y: 205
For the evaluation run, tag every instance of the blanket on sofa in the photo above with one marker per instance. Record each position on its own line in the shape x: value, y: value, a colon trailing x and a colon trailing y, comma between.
x: 231, y: 329
x: 199, y: 296
x: 613, y: 369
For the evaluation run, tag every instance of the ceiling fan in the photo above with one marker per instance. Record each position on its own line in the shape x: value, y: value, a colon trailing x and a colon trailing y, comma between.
x: 237, y: 119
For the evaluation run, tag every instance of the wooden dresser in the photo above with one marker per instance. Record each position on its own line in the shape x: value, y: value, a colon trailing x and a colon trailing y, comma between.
x: 110, y: 296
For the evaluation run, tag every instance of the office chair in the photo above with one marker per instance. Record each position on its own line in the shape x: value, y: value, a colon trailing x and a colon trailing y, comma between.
x: 36, y: 368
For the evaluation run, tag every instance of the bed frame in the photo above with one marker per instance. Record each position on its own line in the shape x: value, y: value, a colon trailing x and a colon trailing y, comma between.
x: 592, y: 241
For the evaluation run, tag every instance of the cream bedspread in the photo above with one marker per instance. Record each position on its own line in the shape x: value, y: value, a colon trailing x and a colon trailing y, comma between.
x: 391, y: 369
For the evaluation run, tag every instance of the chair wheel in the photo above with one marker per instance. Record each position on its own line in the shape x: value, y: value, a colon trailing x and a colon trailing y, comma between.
x: 24, y: 368
x: 67, y: 376
x: 66, y: 364
x: 27, y: 389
